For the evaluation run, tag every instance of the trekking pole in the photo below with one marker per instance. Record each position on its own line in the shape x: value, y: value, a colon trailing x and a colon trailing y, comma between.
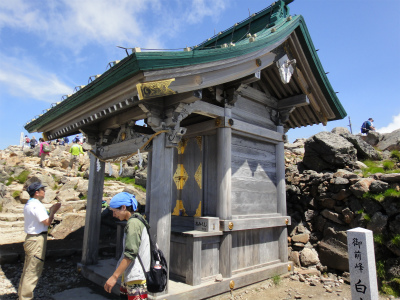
x: 351, y: 130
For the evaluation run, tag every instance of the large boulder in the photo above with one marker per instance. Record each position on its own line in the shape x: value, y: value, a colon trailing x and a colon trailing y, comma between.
x: 141, y: 178
x: 332, y: 251
x: 378, y: 223
x: 67, y: 195
x: 70, y: 223
x: 128, y: 172
x: 364, y: 150
x: 328, y: 151
x: 394, y: 225
x: 390, y: 141
x: 361, y: 187
x: 309, y: 257
x: 45, y: 179
x: 372, y: 138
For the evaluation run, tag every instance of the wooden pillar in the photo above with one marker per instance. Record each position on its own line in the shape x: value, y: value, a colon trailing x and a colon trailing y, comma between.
x: 193, y: 272
x: 148, y: 184
x: 281, y: 195
x: 280, y: 174
x: 161, y: 193
x: 91, y: 236
x: 224, y: 212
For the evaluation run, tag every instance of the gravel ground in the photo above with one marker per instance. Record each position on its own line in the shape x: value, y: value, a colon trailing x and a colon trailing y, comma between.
x: 60, y: 274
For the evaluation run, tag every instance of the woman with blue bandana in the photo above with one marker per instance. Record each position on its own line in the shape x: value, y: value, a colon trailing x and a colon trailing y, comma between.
x: 136, y: 242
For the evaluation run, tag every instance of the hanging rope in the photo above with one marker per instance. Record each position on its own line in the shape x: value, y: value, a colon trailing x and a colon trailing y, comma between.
x: 128, y: 157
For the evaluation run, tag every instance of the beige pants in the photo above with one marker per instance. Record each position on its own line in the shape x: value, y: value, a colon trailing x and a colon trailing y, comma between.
x: 35, y: 252
x: 42, y: 159
x: 74, y: 162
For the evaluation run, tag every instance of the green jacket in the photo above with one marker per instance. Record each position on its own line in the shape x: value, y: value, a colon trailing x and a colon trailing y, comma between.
x: 76, y: 150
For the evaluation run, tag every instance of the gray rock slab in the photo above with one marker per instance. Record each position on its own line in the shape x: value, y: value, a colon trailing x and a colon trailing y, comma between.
x: 395, y: 177
x: 82, y: 293
x: 390, y: 141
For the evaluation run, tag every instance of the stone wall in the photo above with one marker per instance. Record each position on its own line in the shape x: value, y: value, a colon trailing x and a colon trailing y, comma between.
x: 326, y: 195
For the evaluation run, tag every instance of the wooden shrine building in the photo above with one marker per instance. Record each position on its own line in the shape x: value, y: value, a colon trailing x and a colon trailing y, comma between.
x: 216, y: 115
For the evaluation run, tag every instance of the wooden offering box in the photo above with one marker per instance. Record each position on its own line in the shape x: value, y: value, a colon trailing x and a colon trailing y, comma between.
x: 208, y: 224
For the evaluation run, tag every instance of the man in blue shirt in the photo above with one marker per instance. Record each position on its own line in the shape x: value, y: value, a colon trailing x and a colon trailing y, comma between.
x: 367, y: 126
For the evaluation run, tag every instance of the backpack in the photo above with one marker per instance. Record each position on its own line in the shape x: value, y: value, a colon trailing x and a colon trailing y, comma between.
x: 66, y: 139
x: 27, y: 140
x: 364, y: 127
x: 156, y: 278
x: 46, y: 148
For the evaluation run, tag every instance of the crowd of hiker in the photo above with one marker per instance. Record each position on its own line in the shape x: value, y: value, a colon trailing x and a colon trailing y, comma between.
x: 45, y: 148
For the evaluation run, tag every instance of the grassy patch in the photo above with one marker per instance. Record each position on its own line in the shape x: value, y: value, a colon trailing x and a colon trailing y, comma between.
x: 380, y: 269
x: 1, y: 208
x: 9, y: 181
x: 55, y: 187
x: 392, y: 193
x: 381, y: 196
x: 23, y: 177
x: 374, y: 167
x: 395, y: 154
x: 126, y: 180
x: 379, y: 239
x: 388, y: 290
x: 16, y: 194
x: 396, y: 240
x: 377, y: 197
x: 388, y: 165
x: 276, y: 279
x: 83, y: 197
x: 367, y: 217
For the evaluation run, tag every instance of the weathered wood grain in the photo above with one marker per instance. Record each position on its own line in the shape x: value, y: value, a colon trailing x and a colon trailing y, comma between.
x: 162, y: 184
x: 256, y: 130
x: 253, y: 176
x: 255, y: 223
x: 210, y: 175
x: 91, y: 234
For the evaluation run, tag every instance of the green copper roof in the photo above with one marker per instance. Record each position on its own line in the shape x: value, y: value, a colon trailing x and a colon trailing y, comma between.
x: 271, y: 25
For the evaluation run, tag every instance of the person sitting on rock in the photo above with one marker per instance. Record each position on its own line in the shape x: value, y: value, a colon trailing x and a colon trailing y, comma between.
x: 367, y: 126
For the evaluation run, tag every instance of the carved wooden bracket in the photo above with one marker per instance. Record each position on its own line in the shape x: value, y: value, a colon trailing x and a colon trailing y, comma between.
x: 168, y: 119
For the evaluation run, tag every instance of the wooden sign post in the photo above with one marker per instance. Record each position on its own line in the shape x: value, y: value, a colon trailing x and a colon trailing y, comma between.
x: 362, y: 266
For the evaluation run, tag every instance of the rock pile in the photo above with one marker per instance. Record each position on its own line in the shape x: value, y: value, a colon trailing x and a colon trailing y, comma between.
x: 20, y: 167
x: 327, y: 194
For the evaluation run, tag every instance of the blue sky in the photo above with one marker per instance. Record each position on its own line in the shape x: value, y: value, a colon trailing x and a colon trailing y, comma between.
x: 47, y: 48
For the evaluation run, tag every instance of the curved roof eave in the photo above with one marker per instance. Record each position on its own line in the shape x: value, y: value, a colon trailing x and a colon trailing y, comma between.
x: 144, y: 61
x: 318, y: 70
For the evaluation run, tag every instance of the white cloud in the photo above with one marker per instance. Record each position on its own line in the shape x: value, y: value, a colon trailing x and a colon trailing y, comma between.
x: 205, y: 8
x: 394, y: 125
x: 24, y: 79
x: 21, y: 14
x: 77, y: 23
